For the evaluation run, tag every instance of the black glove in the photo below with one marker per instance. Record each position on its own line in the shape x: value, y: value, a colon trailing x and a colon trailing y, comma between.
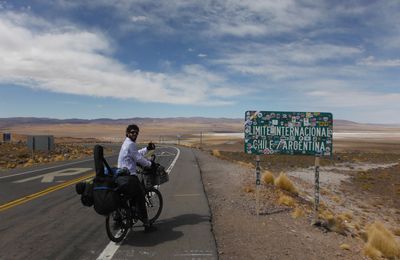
x: 151, y: 146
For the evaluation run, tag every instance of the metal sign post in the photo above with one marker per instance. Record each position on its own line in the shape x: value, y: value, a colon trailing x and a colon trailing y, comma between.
x: 258, y: 182
x: 316, y: 188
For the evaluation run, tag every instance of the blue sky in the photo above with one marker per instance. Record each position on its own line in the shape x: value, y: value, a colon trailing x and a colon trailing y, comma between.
x: 211, y: 58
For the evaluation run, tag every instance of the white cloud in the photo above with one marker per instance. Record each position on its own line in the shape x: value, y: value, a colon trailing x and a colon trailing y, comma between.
x: 228, y: 92
x: 371, y: 61
x: 75, y: 61
x: 139, y: 18
x: 287, y: 61
x: 202, y: 55
x: 357, y: 105
x: 244, y: 18
x: 344, y: 94
x: 240, y: 18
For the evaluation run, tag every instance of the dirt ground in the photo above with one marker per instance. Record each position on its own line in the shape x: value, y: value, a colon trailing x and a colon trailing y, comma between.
x: 17, y: 155
x: 358, y: 186
x: 275, y: 234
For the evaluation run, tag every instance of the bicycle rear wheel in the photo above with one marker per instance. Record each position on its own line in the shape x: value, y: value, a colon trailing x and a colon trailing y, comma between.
x: 118, y: 224
x: 154, y: 204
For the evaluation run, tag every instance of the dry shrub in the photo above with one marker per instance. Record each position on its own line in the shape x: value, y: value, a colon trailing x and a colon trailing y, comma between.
x: 396, y: 232
x: 298, y: 212
x: 336, y: 199
x: 372, y: 253
x: 357, y: 227
x: 248, y: 189
x: 326, y: 214
x: 59, y: 158
x: 216, y: 153
x: 245, y: 164
x: 347, y: 216
x: 335, y: 224
x: 324, y: 192
x: 338, y: 226
x: 284, y: 183
x: 345, y: 246
x: 286, y: 200
x: 267, y: 177
x: 381, y: 242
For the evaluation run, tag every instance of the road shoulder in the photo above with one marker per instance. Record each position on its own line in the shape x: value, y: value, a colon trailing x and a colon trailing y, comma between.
x: 240, y: 234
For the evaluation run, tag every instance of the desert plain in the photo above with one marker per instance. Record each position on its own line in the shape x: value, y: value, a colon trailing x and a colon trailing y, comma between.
x: 359, y: 184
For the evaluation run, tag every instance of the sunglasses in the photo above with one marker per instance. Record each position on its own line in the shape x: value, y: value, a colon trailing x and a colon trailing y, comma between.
x: 134, y: 132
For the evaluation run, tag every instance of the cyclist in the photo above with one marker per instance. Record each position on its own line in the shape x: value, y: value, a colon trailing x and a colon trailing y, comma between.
x: 128, y: 157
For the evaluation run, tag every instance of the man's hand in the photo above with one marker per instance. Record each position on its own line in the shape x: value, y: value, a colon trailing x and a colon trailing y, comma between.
x: 151, y: 146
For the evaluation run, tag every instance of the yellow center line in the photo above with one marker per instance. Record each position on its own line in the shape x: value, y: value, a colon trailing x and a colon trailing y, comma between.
x: 43, y: 192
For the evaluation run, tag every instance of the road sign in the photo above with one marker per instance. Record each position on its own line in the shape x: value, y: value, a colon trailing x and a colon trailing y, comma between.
x: 6, y: 137
x: 41, y: 143
x: 272, y: 132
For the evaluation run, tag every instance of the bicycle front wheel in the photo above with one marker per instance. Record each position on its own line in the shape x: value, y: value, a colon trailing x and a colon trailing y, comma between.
x: 118, y: 224
x: 154, y: 204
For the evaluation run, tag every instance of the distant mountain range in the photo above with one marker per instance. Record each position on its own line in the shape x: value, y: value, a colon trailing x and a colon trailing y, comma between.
x: 15, y: 121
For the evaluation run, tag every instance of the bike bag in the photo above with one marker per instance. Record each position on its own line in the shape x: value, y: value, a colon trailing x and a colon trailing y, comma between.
x: 106, y: 189
x: 105, y: 195
x: 85, y: 189
x: 100, y: 163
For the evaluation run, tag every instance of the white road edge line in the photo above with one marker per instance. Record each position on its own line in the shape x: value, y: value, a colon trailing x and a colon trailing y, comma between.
x: 112, y: 247
x: 174, y: 161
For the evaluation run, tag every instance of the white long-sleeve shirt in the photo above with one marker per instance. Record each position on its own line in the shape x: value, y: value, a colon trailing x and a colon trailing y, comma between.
x: 129, y: 155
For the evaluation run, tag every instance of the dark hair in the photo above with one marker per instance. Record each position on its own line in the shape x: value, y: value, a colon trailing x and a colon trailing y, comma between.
x: 131, y: 128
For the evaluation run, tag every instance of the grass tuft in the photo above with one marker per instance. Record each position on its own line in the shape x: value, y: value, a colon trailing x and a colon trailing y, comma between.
x: 396, y: 232
x: 298, y: 212
x: 326, y: 214
x: 248, y: 189
x: 347, y: 216
x: 382, y: 240
x: 286, y: 200
x: 335, y: 224
x: 372, y: 252
x: 284, y: 183
x: 336, y: 199
x: 245, y: 164
x: 267, y: 177
x: 216, y: 153
x: 345, y: 246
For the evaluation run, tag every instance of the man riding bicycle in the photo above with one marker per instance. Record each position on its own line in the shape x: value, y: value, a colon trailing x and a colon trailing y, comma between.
x: 128, y: 157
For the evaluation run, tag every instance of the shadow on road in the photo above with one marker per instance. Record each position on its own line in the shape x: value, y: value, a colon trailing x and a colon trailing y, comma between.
x: 163, y: 230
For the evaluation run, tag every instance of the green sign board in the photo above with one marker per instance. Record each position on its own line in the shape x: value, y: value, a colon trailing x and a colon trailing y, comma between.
x: 271, y: 132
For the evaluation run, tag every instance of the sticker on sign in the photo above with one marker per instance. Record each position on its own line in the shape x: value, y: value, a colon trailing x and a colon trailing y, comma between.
x: 277, y: 132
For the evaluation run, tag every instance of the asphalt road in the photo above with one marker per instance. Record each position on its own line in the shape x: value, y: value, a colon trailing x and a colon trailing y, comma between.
x: 41, y: 216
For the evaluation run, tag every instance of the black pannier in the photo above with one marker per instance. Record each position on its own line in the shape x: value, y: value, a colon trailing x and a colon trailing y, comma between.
x: 102, y: 191
x: 105, y: 195
x: 85, y: 189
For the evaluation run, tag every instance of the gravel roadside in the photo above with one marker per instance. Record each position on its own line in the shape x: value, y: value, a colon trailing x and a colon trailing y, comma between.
x: 241, y: 234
